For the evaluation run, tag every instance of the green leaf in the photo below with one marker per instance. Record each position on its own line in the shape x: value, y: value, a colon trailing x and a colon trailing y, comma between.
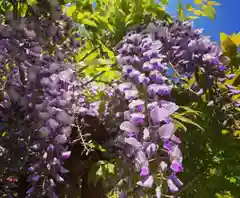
x: 164, y: 2
x: 70, y: 10
x: 100, y: 171
x: 213, y: 3
x: 98, y: 62
x: 198, y: 1
x: 88, y: 22
x: 236, y: 133
x: 199, y: 12
x: 189, y: 110
x: 110, y: 168
x: 180, y: 10
x: 224, y: 132
x: 187, y: 120
x: 180, y: 125
x: 228, y: 45
x: 4, y: 134
x: 192, y: 17
x: 209, y: 11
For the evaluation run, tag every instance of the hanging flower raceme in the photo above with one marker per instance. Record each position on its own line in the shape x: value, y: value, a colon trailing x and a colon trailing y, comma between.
x: 44, y: 88
x: 147, y: 122
x: 145, y: 58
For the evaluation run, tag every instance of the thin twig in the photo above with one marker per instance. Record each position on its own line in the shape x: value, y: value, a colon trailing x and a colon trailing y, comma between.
x: 87, y: 54
x: 189, y: 184
x: 81, y: 137
x: 94, y: 78
x: 178, y: 75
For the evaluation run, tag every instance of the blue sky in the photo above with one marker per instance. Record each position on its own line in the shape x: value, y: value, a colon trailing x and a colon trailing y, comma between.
x: 227, y: 19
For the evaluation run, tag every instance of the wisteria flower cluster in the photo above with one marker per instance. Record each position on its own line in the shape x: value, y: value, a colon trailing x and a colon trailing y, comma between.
x: 145, y: 57
x: 147, y: 120
x: 41, y: 97
x: 43, y: 87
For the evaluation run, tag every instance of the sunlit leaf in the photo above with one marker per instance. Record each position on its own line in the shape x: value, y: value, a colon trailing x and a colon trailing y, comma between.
x: 198, y: 1
x: 180, y: 10
x: 236, y: 38
x: 209, y: 11
x: 88, y: 22
x: 164, y: 2
x: 224, y: 132
x: 180, y: 125
x: 213, y: 3
x: 98, y: 62
x: 228, y: 45
x: 189, y: 110
x: 70, y: 10
x: 187, y: 120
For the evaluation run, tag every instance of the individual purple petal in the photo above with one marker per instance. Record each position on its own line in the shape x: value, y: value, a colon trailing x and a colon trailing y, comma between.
x: 122, y: 195
x: 35, y: 178
x: 151, y: 105
x: 151, y: 149
x: 52, y: 183
x: 59, y: 178
x: 230, y: 76
x: 222, y: 68
x: 125, y: 86
x: 200, y: 92
x: 176, y: 166
x: 134, y: 74
x: 166, y: 131
x: 230, y: 87
x: 147, y: 66
x: 30, y: 190
x: 158, y: 65
x: 170, y: 106
x: 135, y: 103
x: 61, y: 139
x: 63, y: 170
x: 64, y: 118
x: 50, y: 148
x: 66, y: 155
x: 127, y: 69
x: 146, y: 134
x: 54, y: 195
x: 176, y: 139
x: 144, y: 171
x: 148, y: 183
x: 167, y: 145
x: 140, y: 159
x: 175, y: 180
x: 156, y: 77
x: 129, y: 127
x: 163, y: 166
x: 66, y: 130
x: 159, y: 89
x: 127, y: 115
x: 134, y: 135
x: 53, y: 124
x: 130, y: 94
x: 142, y: 79
x: 172, y: 186
x: 137, y: 118
x: 234, y: 92
x: 175, y: 153
x: 159, y: 114
x: 133, y: 142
